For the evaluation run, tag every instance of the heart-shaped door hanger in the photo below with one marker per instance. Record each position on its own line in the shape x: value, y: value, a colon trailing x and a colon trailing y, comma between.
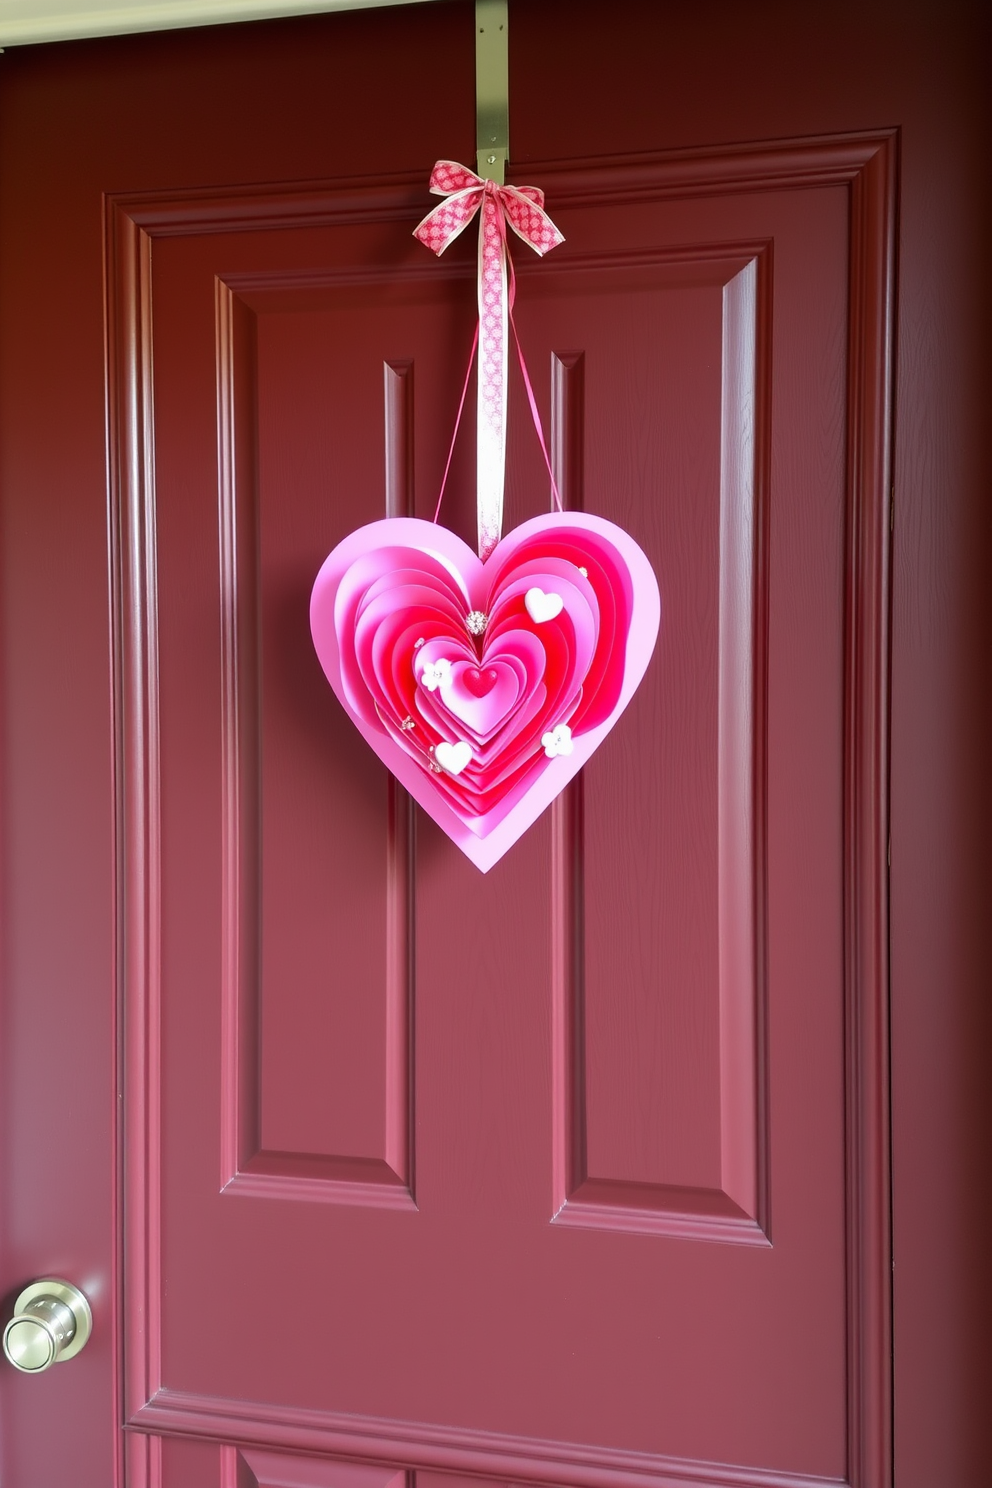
x: 484, y: 683
x: 485, y: 686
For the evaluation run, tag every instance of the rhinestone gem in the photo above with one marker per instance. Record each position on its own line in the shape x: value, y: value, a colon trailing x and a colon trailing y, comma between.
x: 476, y: 622
x: 584, y: 572
x: 408, y: 723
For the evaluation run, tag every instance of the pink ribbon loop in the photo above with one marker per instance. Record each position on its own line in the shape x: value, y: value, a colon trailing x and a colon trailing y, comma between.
x: 523, y: 208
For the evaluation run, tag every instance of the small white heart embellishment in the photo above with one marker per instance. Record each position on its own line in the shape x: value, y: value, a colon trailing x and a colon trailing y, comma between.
x: 541, y: 606
x: 453, y: 757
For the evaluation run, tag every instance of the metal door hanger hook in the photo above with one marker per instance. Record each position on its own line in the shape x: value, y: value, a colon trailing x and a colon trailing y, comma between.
x: 492, y: 115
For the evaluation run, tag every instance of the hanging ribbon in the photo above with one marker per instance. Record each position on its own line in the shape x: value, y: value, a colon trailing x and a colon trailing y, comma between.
x: 523, y: 208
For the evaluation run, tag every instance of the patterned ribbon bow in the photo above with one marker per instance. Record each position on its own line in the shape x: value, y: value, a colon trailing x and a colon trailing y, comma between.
x: 523, y: 208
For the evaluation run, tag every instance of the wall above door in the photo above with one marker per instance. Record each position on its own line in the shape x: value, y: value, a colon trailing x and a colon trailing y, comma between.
x: 23, y: 21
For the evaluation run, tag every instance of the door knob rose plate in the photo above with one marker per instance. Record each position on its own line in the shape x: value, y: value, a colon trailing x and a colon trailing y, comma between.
x: 51, y: 1323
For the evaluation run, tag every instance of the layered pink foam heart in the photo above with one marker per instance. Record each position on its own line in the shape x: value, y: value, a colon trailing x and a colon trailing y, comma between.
x: 485, y: 687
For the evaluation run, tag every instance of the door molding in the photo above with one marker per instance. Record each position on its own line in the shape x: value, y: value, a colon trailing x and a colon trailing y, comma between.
x: 866, y: 165
x: 446, y: 1448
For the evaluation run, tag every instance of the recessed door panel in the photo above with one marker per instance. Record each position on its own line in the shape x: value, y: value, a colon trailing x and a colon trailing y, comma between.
x: 554, y: 1154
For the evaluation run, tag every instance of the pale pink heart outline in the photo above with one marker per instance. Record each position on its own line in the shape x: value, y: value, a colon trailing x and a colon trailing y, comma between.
x: 525, y: 803
x: 483, y: 712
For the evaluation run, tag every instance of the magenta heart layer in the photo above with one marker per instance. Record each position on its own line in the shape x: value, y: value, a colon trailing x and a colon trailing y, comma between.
x: 484, y: 687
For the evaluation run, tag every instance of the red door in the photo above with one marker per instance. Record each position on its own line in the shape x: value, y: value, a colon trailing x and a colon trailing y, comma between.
x: 573, y: 1173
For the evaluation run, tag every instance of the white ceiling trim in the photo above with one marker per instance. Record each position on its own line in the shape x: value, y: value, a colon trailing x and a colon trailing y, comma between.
x: 23, y: 21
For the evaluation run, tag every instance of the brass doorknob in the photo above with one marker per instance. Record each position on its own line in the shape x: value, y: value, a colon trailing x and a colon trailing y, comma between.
x: 51, y: 1323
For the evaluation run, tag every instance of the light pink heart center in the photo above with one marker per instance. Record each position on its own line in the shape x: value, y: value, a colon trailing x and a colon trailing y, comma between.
x: 482, y: 697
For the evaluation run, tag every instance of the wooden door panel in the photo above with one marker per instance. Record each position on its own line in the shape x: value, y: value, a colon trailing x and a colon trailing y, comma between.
x: 312, y: 1120
x: 253, y: 1469
x: 652, y: 1083
x: 187, y: 1464
x: 470, y: 1143
x: 196, y: 1464
x: 549, y: 1077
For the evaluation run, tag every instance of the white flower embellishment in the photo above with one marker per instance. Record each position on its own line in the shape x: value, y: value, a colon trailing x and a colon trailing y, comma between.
x: 435, y: 674
x: 558, y: 741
